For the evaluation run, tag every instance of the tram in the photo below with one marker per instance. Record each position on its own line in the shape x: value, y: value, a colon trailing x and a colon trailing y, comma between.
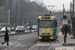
x: 47, y: 27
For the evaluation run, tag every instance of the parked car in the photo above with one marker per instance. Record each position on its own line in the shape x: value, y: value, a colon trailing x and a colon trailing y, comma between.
x: 3, y: 30
x: 13, y: 28
x: 28, y: 27
x: 34, y: 27
x: 20, y: 29
x: 0, y: 28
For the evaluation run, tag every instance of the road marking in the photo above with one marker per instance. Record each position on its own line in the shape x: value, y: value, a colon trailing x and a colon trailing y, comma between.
x: 56, y: 44
x: 42, y: 44
x: 59, y: 33
x: 50, y: 46
x: 65, y: 48
x: 32, y: 47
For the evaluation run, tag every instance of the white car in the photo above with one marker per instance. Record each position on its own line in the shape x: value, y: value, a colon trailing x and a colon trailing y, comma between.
x: 34, y: 27
x: 20, y: 29
x: 3, y: 30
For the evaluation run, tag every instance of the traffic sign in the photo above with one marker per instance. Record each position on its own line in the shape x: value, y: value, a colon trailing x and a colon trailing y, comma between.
x: 65, y: 21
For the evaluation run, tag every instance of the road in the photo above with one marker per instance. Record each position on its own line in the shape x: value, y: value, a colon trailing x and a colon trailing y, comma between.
x: 28, y: 41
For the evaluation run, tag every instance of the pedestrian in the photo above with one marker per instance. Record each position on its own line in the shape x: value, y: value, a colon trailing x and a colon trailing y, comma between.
x: 61, y: 28
x: 65, y: 30
x: 6, y: 37
x: 25, y: 26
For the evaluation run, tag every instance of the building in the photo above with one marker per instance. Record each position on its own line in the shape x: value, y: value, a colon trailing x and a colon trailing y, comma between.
x: 4, y: 15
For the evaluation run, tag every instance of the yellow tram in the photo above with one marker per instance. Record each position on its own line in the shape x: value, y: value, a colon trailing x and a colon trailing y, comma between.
x: 47, y: 27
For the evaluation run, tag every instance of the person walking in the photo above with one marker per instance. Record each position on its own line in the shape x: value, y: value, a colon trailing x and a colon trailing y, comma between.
x: 25, y: 26
x: 62, y: 30
x: 65, y: 30
x: 6, y: 37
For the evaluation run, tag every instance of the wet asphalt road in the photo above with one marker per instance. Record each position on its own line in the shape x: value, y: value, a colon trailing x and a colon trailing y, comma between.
x: 29, y: 41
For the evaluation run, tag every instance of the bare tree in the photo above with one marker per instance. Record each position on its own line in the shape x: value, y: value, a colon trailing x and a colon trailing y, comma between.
x: 21, y: 11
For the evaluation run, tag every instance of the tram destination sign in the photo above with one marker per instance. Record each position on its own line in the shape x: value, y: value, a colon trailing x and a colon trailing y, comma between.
x: 45, y: 17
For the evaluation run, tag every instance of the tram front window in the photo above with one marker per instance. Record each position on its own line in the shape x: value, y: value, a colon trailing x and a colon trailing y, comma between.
x: 46, y: 24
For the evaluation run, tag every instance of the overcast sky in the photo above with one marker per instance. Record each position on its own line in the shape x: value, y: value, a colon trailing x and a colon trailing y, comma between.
x: 57, y: 3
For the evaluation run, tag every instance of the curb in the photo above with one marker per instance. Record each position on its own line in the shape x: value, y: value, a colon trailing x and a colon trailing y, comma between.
x: 68, y: 44
x: 13, y: 33
x: 8, y: 34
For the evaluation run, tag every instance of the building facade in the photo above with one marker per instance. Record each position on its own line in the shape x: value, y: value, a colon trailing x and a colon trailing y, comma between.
x: 4, y: 15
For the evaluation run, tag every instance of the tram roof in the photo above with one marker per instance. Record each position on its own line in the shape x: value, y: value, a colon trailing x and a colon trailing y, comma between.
x: 51, y: 17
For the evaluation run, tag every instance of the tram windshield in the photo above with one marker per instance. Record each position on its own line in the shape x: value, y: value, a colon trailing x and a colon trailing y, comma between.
x: 46, y: 24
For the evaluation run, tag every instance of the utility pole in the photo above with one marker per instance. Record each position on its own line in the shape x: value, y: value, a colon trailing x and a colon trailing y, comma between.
x: 73, y: 8
x: 2, y: 22
x: 30, y: 27
x: 63, y: 9
x: 17, y: 13
x: 22, y: 12
x: 6, y: 21
x: 6, y: 18
x: 65, y: 20
x: 51, y: 8
x: 70, y: 8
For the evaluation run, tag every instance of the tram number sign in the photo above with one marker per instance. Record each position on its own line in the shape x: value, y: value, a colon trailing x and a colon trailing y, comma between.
x: 65, y: 21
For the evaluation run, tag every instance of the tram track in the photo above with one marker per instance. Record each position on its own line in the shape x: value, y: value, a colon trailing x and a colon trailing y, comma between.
x: 56, y: 42
x: 43, y: 45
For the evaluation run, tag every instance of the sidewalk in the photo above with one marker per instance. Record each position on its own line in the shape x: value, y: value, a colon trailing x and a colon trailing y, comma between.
x: 69, y: 45
x: 68, y: 38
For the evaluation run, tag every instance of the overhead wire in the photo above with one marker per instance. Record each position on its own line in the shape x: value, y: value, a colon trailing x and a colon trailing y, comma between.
x: 48, y: 1
x: 59, y: 5
x: 50, y: 5
x: 41, y: 1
